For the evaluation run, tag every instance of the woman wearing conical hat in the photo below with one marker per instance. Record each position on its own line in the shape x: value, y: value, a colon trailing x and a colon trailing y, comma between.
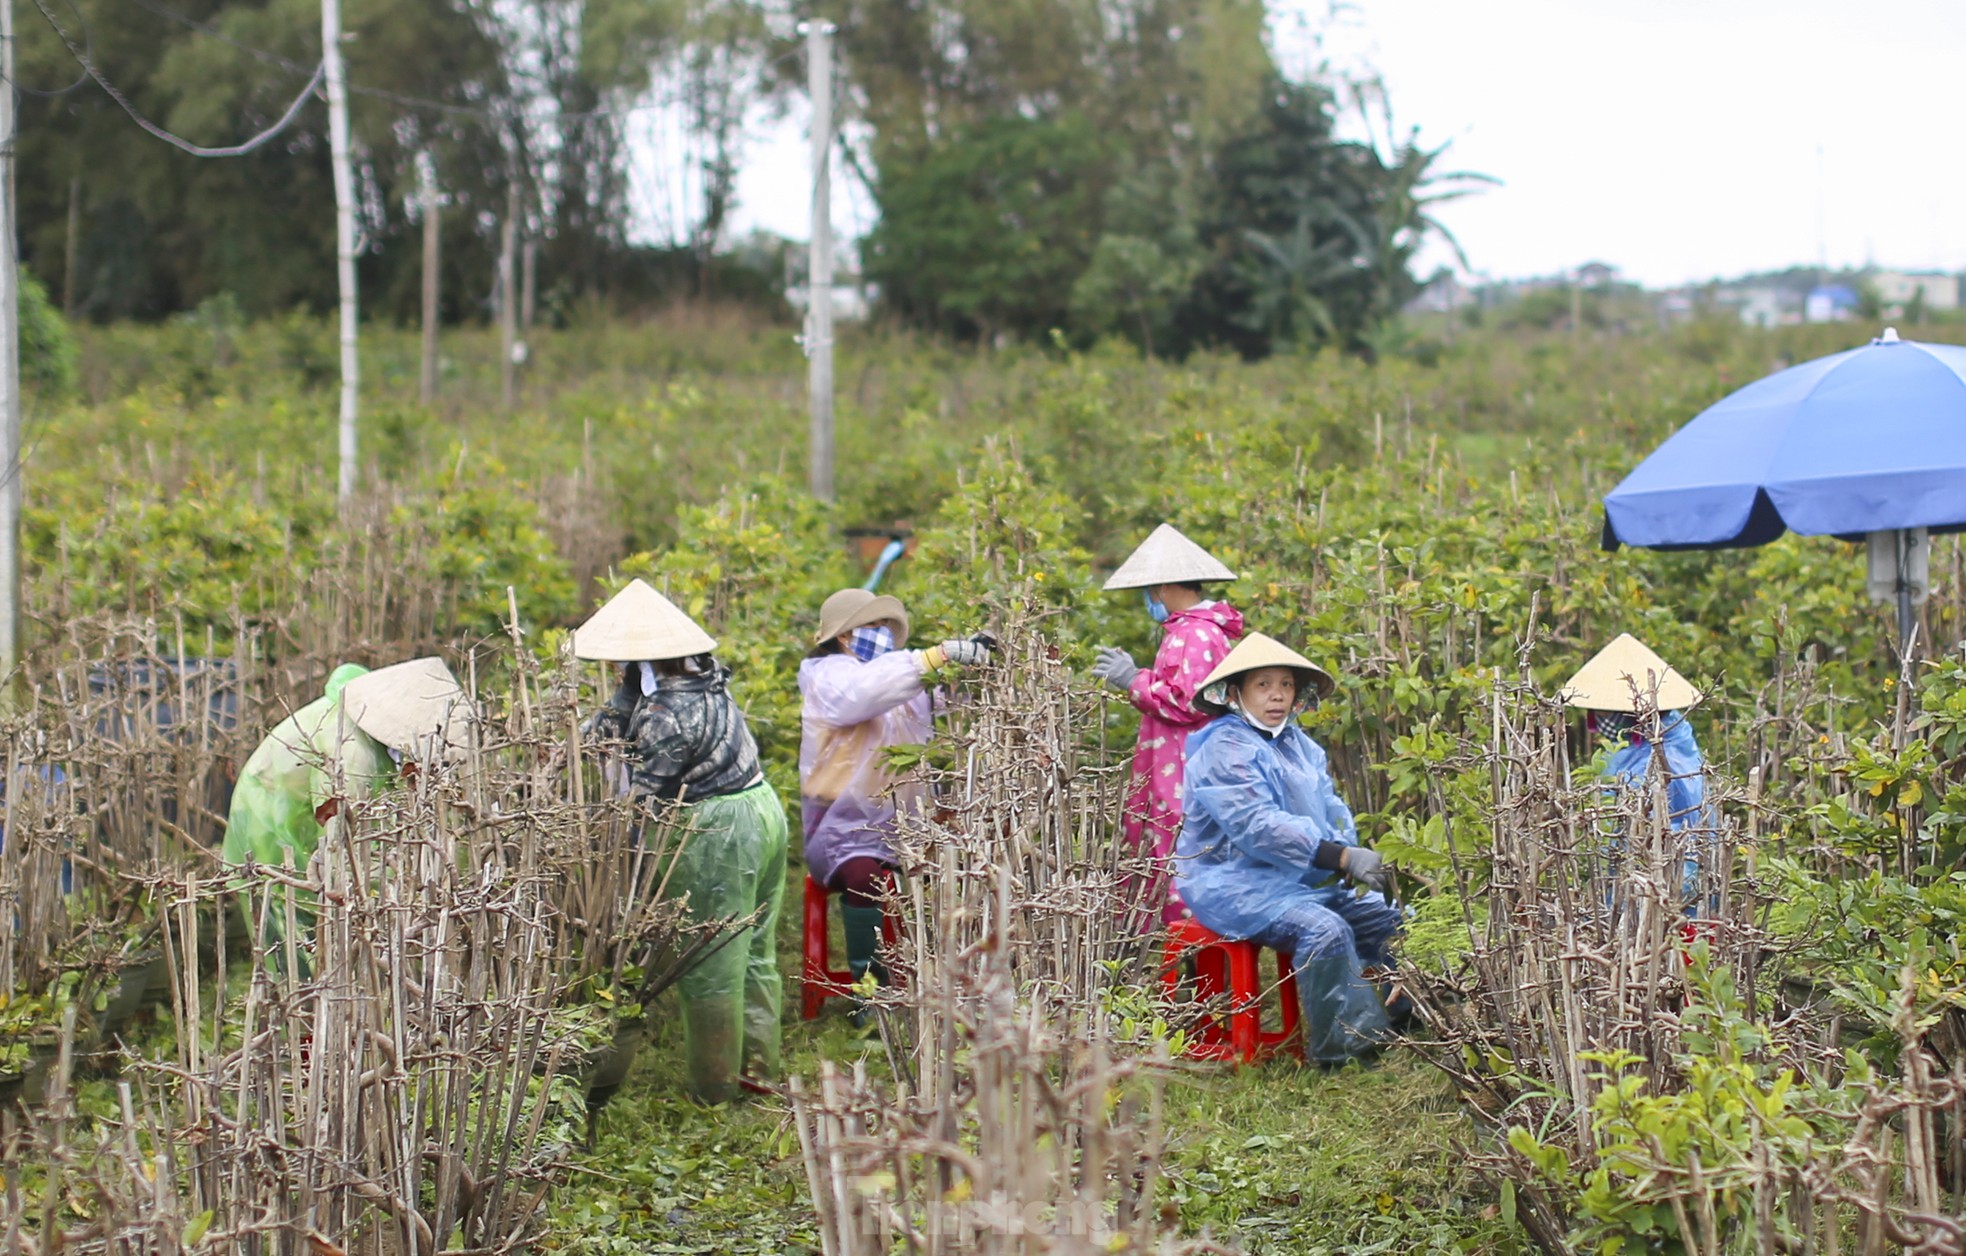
x: 1196, y: 634
x: 686, y: 742
x: 339, y: 748
x: 1621, y: 691
x: 1268, y: 847
x: 862, y: 692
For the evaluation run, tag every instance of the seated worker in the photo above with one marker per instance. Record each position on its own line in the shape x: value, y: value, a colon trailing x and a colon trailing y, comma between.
x: 339, y: 748
x: 686, y: 743
x: 863, y: 692
x: 1267, y: 844
x: 1636, y: 704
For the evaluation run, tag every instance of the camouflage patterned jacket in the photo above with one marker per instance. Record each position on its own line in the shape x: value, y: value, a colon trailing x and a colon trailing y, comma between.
x: 686, y: 739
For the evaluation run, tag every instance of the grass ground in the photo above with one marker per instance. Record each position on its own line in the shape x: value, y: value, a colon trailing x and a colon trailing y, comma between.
x: 1278, y: 1159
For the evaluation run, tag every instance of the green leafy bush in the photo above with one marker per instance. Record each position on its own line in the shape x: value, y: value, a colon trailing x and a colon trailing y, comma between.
x: 48, y: 352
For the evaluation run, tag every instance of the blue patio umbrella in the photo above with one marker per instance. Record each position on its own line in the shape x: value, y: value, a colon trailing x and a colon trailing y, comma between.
x: 1865, y: 442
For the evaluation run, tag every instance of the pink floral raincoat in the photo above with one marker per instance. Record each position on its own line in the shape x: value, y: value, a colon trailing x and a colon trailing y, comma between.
x: 1192, y: 643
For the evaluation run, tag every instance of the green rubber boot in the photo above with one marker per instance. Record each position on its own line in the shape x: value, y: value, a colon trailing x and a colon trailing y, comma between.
x: 863, y: 935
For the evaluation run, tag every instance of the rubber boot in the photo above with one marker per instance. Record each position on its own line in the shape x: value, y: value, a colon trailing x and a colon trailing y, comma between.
x: 863, y: 935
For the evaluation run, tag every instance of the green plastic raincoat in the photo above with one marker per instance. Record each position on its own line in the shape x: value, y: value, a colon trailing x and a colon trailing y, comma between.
x: 292, y: 788
x: 686, y: 734
x: 733, y: 863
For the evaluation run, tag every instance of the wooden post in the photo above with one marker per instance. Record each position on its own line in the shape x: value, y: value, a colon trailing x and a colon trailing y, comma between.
x: 68, y: 259
x: 344, y: 203
x: 819, y: 271
x: 528, y: 282
x: 10, y: 453
x: 426, y: 173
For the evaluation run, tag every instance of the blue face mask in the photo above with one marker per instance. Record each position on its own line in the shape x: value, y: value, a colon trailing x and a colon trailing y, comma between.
x: 872, y: 641
x: 1156, y: 609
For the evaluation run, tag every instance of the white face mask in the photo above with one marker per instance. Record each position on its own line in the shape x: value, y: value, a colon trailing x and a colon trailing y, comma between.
x: 1268, y: 730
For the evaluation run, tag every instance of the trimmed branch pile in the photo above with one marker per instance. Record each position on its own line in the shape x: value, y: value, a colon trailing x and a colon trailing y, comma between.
x: 1604, y: 1032
x: 401, y: 1065
x: 1015, y: 1122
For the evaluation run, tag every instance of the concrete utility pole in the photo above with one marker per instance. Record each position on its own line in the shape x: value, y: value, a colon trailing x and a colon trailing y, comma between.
x: 426, y: 177
x: 344, y: 231
x: 508, y: 297
x: 10, y: 486
x: 819, y: 269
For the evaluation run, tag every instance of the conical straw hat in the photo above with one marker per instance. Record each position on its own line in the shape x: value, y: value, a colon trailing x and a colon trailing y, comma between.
x: 639, y: 625
x: 1607, y: 682
x: 1252, y: 652
x: 856, y: 608
x: 1167, y: 557
x: 414, y: 707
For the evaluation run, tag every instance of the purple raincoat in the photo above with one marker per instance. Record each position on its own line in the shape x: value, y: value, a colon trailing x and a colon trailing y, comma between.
x: 1192, y: 643
x: 853, y: 710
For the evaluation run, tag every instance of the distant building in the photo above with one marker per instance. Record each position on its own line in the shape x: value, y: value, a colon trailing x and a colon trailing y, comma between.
x: 1443, y: 294
x: 1764, y: 306
x: 1677, y: 305
x: 1898, y: 289
x: 1829, y: 303
x: 852, y: 302
x: 1596, y: 275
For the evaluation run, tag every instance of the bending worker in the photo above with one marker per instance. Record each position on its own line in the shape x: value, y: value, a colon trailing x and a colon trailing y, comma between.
x: 1268, y: 845
x: 687, y: 745
x: 1196, y: 634
x: 1635, y: 706
x: 863, y: 692
x: 342, y: 747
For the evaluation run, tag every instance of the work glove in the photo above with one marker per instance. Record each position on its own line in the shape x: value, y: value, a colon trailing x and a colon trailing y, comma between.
x: 1116, y: 667
x: 1365, y: 867
x: 968, y: 652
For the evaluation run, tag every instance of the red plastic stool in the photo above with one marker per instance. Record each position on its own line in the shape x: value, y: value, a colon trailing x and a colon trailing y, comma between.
x: 818, y: 980
x: 1225, y: 966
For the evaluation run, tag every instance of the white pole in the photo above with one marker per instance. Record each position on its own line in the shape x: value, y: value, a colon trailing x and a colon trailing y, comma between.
x: 10, y: 468
x: 426, y: 175
x: 508, y: 298
x: 344, y: 222
x: 819, y: 271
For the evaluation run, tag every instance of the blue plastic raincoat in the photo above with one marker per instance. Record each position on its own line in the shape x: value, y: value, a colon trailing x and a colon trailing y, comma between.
x: 1258, y: 810
x: 1686, y: 786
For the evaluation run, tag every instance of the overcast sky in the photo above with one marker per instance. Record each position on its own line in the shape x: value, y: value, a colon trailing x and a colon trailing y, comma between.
x: 1676, y: 139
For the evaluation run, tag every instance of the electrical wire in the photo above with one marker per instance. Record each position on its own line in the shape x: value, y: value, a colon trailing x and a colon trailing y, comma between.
x: 88, y: 42
x: 497, y: 117
x: 265, y: 137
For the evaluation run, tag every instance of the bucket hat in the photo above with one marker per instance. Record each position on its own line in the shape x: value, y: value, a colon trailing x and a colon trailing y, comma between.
x: 639, y: 625
x: 1608, y: 681
x: 1167, y: 557
x: 856, y: 608
x: 1252, y: 652
x: 414, y: 707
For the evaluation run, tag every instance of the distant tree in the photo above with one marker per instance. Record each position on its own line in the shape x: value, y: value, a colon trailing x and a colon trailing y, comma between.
x: 538, y: 92
x: 1870, y: 302
x: 987, y: 231
x: 1159, y: 84
x: 1287, y: 228
x: 1143, y: 264
x: 162, y: 230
